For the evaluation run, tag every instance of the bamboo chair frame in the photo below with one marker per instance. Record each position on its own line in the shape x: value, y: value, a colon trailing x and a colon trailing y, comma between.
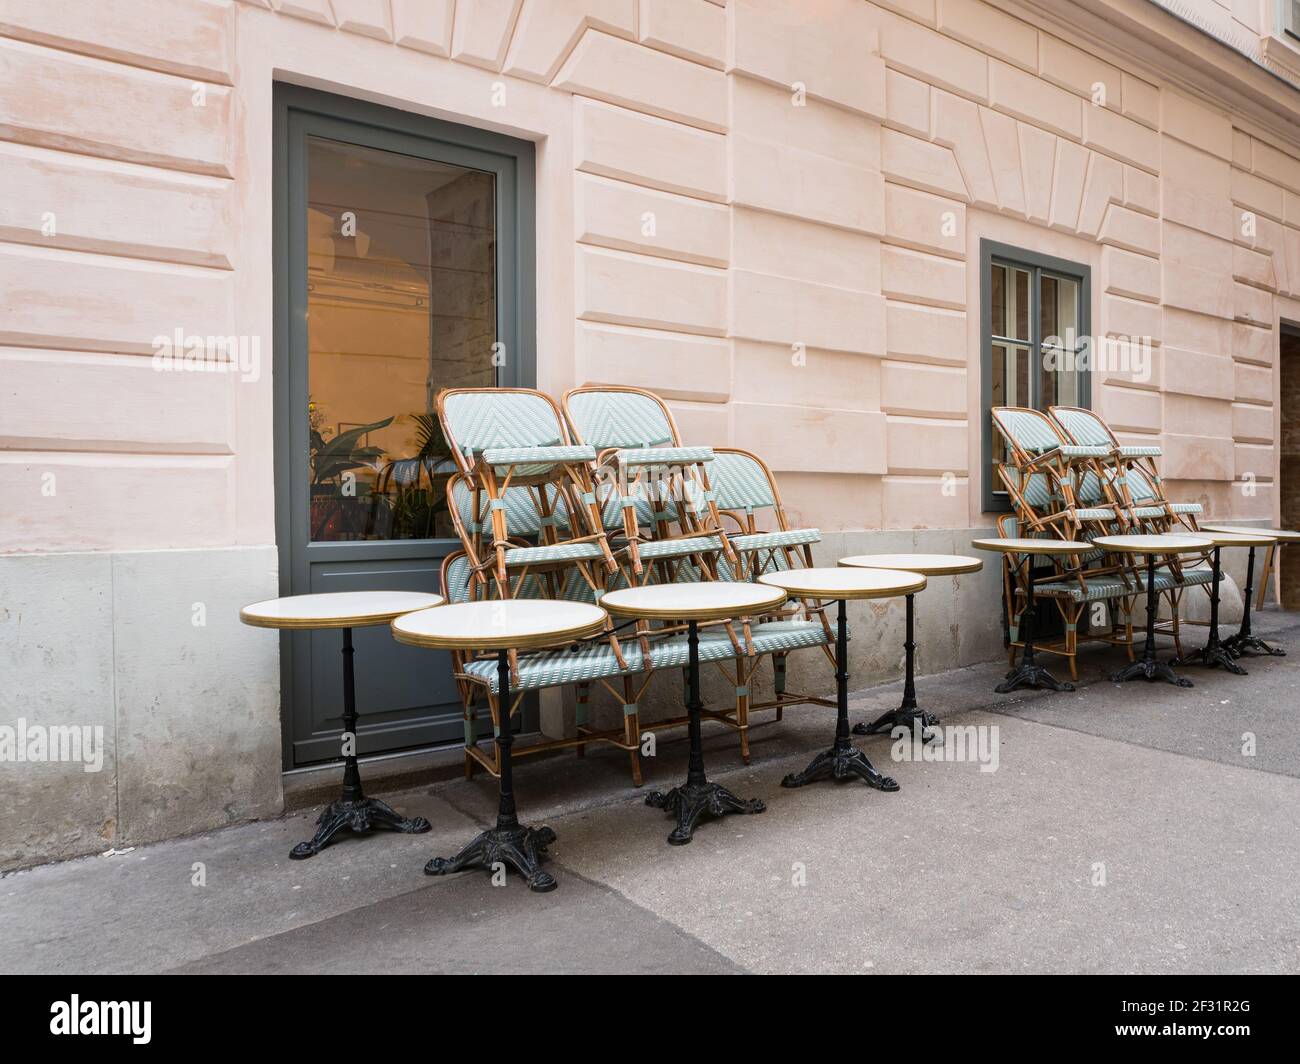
x: 572, y: 480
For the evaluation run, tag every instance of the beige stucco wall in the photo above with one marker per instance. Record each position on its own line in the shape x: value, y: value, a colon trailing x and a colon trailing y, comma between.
x: 775, y: 225
x: 136, y: 163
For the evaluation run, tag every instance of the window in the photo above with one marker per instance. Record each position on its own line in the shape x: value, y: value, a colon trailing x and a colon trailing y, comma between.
x: 1291, y: 18
x: 1034, y: 322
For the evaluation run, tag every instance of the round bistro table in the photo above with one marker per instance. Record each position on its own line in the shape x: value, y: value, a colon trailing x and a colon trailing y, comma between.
x: 345, y: 610
x: 502, y: 625
x: 927, y: 565
x: 1215, y: 652
x: 1029, y: 673
x: 1153, y: 546
x: 842, y: 761
x: 1284, y: 538
x: 692, y: 603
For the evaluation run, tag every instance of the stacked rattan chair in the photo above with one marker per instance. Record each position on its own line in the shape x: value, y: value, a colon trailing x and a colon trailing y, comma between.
x: 1068, y: 477
x: 605, y: 496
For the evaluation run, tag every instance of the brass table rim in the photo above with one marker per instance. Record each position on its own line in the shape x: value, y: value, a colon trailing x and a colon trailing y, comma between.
x: 679, y: 612
x: 366, y: 620
x: 918, y: 583
x: 1020, y: 545
x: 549, y: 638
x: 962, y: 564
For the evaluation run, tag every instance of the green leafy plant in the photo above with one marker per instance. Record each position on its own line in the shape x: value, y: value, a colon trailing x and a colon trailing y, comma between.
x: 330, y: 459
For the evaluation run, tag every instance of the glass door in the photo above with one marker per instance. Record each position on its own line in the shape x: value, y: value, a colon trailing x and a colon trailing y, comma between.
x: 402, y: 274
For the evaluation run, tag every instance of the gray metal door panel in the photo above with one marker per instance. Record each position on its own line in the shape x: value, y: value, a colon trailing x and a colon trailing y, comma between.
x: 406, y: 697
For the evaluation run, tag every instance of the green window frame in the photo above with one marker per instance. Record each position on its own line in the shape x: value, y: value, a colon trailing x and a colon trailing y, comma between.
x: 1042, y: 274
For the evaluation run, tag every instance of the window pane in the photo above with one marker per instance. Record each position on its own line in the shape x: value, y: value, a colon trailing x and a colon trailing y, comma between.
x: 1020, y: 304
x: 401, y: 298
x: 1059, y: 324
x: 999, y: 300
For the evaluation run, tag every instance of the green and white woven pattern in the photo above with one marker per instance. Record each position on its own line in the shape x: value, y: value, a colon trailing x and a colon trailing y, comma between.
x: 1029, y: 431
x: 740, y: 483
x: 1145, y: 450
x: 595, y: 661
x: 477, y: 420
x: 664, y: 456
x: 795, y: 537
x: 619, y: 419
x: 506, y: 456
x: 1084, y: 426
x: 522, y: 515
x: 678, y: 548
x: 1110, y: 586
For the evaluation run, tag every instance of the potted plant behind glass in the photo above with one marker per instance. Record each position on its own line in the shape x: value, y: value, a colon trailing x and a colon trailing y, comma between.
x: 335, y: 513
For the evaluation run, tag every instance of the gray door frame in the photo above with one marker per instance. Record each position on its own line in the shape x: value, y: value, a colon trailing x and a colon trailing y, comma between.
x: 299, y: 113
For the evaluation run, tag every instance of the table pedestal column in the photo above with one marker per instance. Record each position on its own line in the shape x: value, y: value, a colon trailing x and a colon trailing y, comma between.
x: 1244, y: 642
x: 842, y: 761
x: 1029, y: 673
x: 353, y: 810
x: 1147, y: 666
x: 697, y: 796
x: 509, y: 844
x: 908, y: 713
x: 1214, y: 652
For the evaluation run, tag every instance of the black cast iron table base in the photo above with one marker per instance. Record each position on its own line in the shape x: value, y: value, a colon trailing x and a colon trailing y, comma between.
x: 841, y: 764
x: 520, y: 848
x: 1153, y: 670
x: 1148, y: 667
x: 908, y: 713
x: 697, y: 797
x: 692, y: 801
x: 842, y: 761
x: 358, y: 815
x: 1245, y: 643
x: 353, y: 810
x: 1215, y: 653
x: 509, y: 844
x: 1029, y: 673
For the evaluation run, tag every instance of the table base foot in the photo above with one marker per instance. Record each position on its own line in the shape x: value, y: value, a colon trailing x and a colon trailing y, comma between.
x: 1212, y: 656
x: 841, y: 764
x: 691, y: 801
x: 359, y: 816
x: 1029, y: 675
x: 520, y: 848
x: 1151, y: 670
x: 904, y: 717
x: 1243, y: 645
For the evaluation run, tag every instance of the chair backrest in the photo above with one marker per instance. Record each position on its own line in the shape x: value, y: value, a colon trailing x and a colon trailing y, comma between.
x: 456, y: 579
x: 619, y: 417
x: 741, y: 481
x: 1029, y: 431
x: 523, y: 515
x: 1082, y: 426
x: 1140, y: 488
x: 474, y: 419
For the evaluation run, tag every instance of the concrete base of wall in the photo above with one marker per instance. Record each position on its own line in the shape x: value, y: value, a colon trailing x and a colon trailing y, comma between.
x: 145, y: 649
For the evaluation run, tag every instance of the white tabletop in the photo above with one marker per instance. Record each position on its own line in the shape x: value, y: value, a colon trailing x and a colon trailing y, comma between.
x: 1158, y: 544
x: 1251, y: 538
x: 845, y: 583
x: 703, y: 601
x: 1012, y: 545
x: 925, y: 564
x: 336, y: 609
x: 500, y: 624
x: 1279, y: 534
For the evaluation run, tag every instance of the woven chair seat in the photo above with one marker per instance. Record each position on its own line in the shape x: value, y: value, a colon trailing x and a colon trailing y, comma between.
x: 794, y: 537
x: 1110, y: 586
x: 596, y: 661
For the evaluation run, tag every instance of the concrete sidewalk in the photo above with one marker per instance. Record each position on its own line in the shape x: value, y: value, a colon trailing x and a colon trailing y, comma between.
x: 1124, y: 830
